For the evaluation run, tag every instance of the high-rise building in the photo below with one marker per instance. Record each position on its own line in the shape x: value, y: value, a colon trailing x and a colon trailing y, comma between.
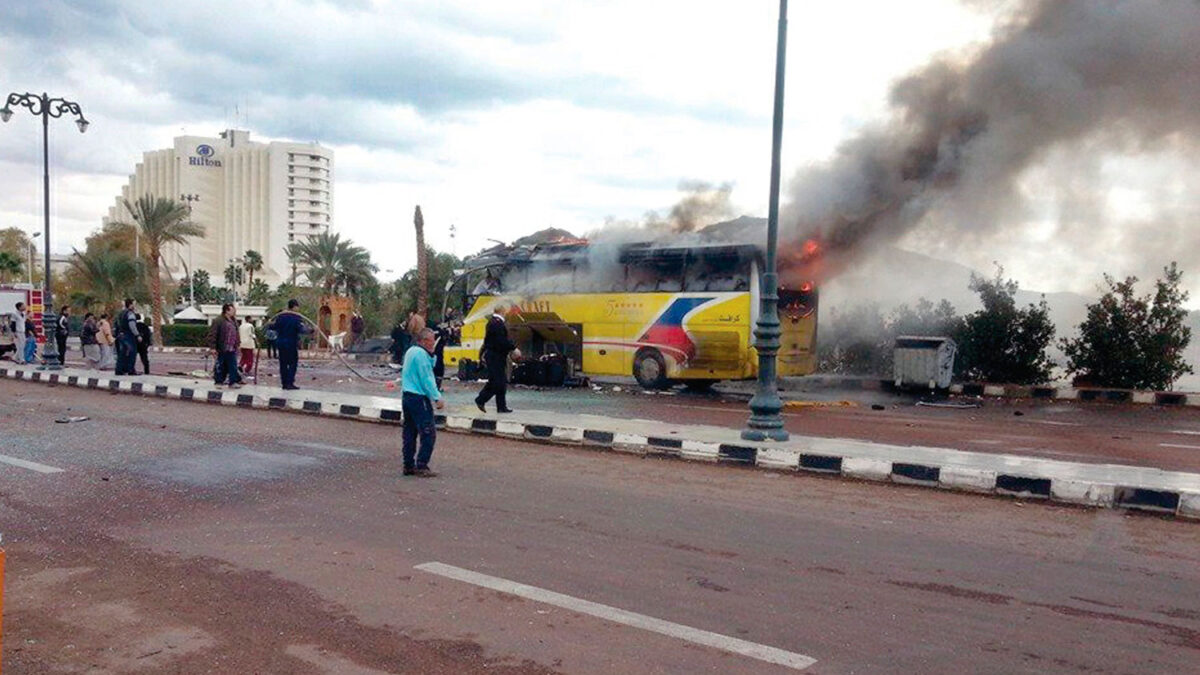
x: 246, y: 195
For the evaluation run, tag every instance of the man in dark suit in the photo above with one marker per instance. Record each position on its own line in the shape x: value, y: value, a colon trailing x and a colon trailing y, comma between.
x: 289, y: 326
x: 496, y: 348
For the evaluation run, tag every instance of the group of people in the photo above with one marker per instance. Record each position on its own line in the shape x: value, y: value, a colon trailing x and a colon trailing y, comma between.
x: 106, y: 344
x: 234, y: 342
x: 422, y: 385
x: 19, y: 335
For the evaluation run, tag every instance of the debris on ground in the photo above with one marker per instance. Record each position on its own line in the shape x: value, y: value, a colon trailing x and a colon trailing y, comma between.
x: 70, y: 419
x: 947, y: 404
x: 820, y: 404
x: 876, y: 406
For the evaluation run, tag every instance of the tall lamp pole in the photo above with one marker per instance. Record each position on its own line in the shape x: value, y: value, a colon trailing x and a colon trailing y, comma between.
x: 766, y: 422
x: 189, y: 198
x: 46, y: 107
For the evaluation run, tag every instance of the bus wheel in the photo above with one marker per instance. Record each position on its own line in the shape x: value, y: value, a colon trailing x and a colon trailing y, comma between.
x: 650, y: 369
x: 698, y: 386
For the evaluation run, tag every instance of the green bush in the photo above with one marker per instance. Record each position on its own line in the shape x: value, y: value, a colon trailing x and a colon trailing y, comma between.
x: 185, y: 335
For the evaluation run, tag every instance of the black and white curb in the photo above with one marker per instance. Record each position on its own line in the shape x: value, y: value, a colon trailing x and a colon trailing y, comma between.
x: 1182, y: 503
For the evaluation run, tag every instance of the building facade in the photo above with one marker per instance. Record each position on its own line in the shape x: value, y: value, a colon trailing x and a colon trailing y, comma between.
x: 247, y: 196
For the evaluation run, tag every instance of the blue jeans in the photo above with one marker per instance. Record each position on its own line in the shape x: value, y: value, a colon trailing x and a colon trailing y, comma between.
x: 227, y: 368
x: 418, y: 422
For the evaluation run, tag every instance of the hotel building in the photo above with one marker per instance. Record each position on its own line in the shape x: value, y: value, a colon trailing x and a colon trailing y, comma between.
x: 247, y: 196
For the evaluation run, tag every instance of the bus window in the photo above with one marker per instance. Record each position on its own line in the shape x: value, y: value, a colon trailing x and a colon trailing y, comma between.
x: 725, y: 271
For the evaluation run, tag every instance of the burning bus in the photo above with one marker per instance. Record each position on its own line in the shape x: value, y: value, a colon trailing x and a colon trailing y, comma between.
x: 663, y: 314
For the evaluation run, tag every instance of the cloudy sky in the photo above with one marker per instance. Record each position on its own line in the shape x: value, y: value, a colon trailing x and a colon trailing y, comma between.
x: 500, y: 118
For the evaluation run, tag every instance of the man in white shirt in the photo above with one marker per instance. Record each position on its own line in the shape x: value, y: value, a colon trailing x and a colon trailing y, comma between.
x: 19, y: 333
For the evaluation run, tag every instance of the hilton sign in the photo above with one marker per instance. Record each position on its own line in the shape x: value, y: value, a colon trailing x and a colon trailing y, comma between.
x: 205, y: 153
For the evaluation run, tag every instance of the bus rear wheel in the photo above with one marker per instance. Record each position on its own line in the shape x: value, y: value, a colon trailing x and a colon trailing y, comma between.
x: 650, y: 369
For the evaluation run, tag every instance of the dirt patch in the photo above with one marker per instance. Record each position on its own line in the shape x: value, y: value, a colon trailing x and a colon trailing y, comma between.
x: 96, y: 604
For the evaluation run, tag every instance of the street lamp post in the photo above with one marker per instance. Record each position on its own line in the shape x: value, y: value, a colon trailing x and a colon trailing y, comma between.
x: 46, y: 107
x: 189, y: 198
x: 32, y: 248
x: 766, y: 422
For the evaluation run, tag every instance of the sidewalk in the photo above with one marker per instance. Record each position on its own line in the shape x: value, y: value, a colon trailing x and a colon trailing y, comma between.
x: 1101, y: 485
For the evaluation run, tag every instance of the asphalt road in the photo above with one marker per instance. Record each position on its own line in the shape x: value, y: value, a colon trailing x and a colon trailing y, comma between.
x: 1166, y: 438
x: 187, y: 538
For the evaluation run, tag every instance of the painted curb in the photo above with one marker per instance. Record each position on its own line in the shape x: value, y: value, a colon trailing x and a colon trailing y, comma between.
x: 827, y: 458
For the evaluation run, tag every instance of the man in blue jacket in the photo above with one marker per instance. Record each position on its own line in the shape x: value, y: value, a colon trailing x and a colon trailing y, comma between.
x: 289, y: 326
x: 420, y: 396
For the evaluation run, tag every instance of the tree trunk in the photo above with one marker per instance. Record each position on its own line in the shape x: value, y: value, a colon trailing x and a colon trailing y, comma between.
x: 156, y: 299
x: 422, y: 266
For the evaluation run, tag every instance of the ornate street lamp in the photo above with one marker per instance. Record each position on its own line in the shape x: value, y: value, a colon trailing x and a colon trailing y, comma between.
x: 46, y: 107
x: 766, y: 422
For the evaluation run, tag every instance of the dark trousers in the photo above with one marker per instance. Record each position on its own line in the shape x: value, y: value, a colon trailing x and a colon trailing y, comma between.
x: 143, y: 351
x: 497, y: 383
x: 227, y: 368
x: 418, y: 422
x: 270, y: 349
x: 62, y: 348
x: 126, y: 356
x: 289, y: 359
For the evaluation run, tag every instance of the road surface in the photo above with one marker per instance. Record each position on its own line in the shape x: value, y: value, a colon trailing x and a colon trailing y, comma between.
x: 1162, y: 437
x: 175, y: 537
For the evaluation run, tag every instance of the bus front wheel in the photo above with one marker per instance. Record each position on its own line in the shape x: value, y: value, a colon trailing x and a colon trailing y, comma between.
x: 650, y: 369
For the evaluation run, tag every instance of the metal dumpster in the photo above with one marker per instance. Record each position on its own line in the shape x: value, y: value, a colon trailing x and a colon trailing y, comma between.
x: 923, y: 361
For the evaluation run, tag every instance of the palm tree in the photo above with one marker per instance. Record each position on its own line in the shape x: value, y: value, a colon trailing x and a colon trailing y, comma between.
x: 9, y: 264
x: 104, y: 278
x: 161, y: 222
x: 253, y: 262
x: 334, y: 263
x: 422, y: 265
x: 292, y: 251
x: 233, y: 277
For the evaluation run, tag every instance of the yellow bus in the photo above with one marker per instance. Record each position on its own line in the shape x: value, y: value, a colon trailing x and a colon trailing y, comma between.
x: 663, y: 314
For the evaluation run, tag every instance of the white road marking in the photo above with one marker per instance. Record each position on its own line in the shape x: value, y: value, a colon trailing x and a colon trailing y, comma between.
x: 1185, y: 432
x: 32, y: 466
x: 675, y: 630
x: 1055, y: 424
x: 1176, y: 445
x: 986, y: 441
x: 324, y: 446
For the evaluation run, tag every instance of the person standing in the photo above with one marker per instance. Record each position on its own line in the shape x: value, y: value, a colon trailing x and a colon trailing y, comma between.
x: 223, y: 338
x: 269, y: 335
x: 247, y: 345
x: 399, y: 336
x: 30, y: 341
x: 358, y: 326
x: 104, y: 336
x: 289, y: 325
x: 18, y: 330
x: 88, y: 342
x: 62, y: 330
x: 496, y: 348
x: 127, y: 340
x: 420, y: 396
x: 145, y: 333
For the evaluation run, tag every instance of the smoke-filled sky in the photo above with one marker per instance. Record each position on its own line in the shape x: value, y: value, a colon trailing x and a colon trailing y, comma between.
x: 504, y: 118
